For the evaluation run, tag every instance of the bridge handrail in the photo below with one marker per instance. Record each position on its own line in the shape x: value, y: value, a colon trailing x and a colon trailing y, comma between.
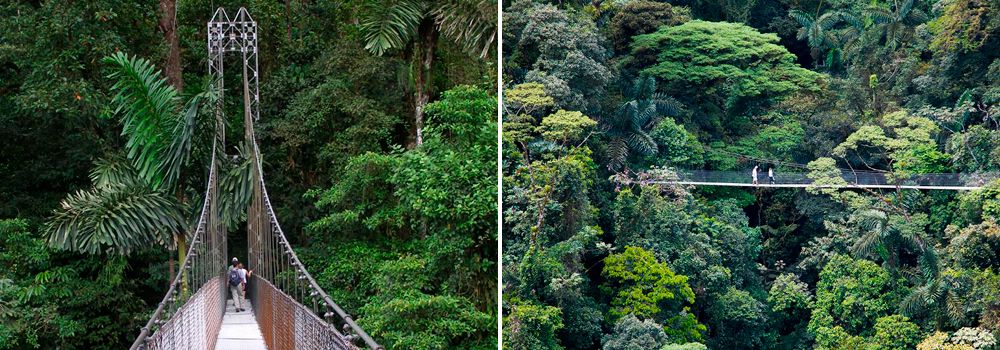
x: 299, y: 267
x: 172, y: 292
x: 851, y: 178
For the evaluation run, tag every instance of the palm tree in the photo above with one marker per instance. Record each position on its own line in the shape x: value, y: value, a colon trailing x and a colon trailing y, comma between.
x: 941, y: 298
x: 628, y: 127
x: 895, y: 24
x: 120, y: 214
x: 820, y: 32
x: 882, y: 239
x: 138, y: 197
x: 395, y: 24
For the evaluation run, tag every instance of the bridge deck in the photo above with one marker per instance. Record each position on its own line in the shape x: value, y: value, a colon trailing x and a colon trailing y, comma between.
x: 239, y: 330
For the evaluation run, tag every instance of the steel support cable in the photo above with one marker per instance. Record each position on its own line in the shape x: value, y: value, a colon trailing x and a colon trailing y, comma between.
x: 281, y: 246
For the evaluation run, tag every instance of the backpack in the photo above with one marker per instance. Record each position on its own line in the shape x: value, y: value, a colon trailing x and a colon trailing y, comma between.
x: 234, y: 278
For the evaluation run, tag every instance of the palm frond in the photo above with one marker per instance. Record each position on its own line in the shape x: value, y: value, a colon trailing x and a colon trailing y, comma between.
x: 873, y: 220
x: 929, y: 263
x: 916, y: 302
x: 236, y: 188
x: 955, y: 309
x: 916, y: 17
x: 850, y: 19
x: 390, y: 24
x: 645, y: 87
x: 113, y: 169
x: 648, y: 116
x: 626, y: 115
x: 668, y: 106
x: 874, y: 225
x: 815, y: 37
x: 470, y: 23
x: 867, y: 245
x: 879, y: 15
x: 642, y: 143
x: 617, y: 153
x: 848, y: 36
x: 146, y: 104
x: 828, y: 20
x: 802, y: 33
x: 804, y: 19
x: 904, y: 10
x: 117, y: 218
x: 182, y: 136
x: 830, y: 38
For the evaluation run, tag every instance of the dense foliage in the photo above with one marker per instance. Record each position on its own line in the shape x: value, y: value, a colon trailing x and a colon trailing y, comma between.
x: 601, y: 96
x: 105, y: 145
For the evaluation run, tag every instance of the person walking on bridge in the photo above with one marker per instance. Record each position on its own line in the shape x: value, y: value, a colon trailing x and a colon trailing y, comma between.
x: 753, y: 175
x: 770, y: 174
x: 244, y: 273
x: 236, y: 279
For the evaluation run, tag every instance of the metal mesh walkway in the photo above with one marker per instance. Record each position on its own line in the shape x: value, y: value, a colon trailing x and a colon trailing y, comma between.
x: 239, y: 331
x: 289, y: 309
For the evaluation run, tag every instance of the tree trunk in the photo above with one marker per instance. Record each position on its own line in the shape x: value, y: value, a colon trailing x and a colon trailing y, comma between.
x: 181, y: 253
x: 288, y: 19
x: 170, y: 272
x: 428, y: 36
x: 168, y: 25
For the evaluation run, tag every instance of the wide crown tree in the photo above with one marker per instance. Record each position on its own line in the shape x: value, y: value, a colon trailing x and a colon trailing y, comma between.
x: 720, y: 67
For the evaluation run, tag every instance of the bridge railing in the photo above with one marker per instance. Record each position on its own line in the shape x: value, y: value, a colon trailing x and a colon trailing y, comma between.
x: 851, y: 178
x: 190, y: 314
x: 292, y: 309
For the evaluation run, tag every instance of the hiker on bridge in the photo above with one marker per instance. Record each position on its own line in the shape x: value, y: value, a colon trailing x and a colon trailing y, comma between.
x: 237, y: 279
x: 770, y: 174
x: 246, y: 274
x: 753, y: 174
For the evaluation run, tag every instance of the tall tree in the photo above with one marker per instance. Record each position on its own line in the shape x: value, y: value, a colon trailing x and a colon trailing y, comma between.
x: 558, y: 49
x: 168, y: 25
x: 417, y: 25
x: 722, y: 70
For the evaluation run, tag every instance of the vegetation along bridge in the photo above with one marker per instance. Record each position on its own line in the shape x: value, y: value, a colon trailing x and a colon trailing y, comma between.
x: 289, y: 309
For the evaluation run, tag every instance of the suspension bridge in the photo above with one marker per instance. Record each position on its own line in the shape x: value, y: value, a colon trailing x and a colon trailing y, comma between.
x: 288, y: 309
x: 851, y: 179
x: 794, y: 175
